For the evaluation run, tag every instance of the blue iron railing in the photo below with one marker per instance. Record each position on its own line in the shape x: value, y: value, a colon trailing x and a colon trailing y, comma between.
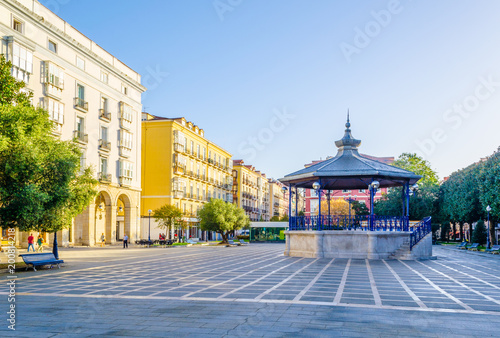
x: 420, y: 230
x: 345, y: 222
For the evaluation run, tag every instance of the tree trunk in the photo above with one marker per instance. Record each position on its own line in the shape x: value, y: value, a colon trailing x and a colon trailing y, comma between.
x: 461, y: 225
x: 224, y: 236
x: 55, y: 251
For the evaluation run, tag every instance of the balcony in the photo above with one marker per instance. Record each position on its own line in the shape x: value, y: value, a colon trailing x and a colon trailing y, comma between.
x: 80, y: 137
x: 179, y: 147
x: 125, y: 181
x: 104, y: 145
x: 104, y: 178
x: 179, y: 169
x: 80, y: 104
x: 104, y: 115
x: 125, y: 152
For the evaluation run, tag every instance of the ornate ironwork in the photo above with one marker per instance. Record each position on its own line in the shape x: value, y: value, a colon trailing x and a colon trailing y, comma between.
x: 420, y: 230
x: 344, y: 222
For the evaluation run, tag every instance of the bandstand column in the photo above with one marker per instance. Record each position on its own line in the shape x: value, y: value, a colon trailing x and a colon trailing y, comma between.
x: 319, y: 208
x: 296, y: 202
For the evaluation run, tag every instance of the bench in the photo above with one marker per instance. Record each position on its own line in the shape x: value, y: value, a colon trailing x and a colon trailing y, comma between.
x: 494, y: 249
x: 462, y: 246
x: 41, y: 259
x: 242, y: 242
x: 166, y: 242
x: 231, y: 242
x: 474, y: 247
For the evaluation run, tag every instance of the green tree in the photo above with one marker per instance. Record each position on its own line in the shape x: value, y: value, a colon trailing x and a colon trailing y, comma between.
x: 275, y: 218
x: 360, y: 208
x: 42, y: 186
x: 423, y: 202
x: 284, y: 218
x: 489, y: 188
x: 168, y: 216
x: 222, y: 217
x: 479, y: 233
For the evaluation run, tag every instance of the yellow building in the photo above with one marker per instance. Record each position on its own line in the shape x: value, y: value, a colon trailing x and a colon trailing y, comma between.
x: 251, y: 191
x: 180, y: 167
x: 279, y: 200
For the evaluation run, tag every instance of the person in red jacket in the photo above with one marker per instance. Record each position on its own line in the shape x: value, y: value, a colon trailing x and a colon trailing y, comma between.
x: 31, y: 241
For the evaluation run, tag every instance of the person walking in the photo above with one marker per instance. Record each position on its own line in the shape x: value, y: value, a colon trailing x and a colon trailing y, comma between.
x: 40, y: 243
x: 103, y: 240
x: 125, y: 241
x: 31, y: 245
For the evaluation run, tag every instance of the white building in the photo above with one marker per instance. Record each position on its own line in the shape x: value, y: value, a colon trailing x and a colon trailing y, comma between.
x: 94, y: 98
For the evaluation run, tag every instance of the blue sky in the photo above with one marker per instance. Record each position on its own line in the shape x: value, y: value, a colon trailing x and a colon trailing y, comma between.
x: 271, y: 81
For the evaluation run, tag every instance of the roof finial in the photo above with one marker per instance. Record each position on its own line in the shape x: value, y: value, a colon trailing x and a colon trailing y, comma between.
x: 348, y: 125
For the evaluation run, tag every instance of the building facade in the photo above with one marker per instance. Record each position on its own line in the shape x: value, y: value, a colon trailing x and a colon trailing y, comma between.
x: 361, y: 195
x: 94, y: 99
x: 180, y: 167
x: 279, y: 200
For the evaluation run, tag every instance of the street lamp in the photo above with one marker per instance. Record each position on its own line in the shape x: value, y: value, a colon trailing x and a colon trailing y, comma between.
x: 373, y: 189
x: 488, y: 209
x: 149, y: 231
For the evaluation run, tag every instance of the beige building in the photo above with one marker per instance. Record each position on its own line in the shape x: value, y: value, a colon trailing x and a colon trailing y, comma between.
x: 278, y: 199
x: 181, y: 167
x: 92, y: 97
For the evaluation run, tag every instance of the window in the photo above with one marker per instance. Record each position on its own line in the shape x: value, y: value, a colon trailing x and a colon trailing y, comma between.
x: 126, y: 139
x: 104, y: 165
x: 192, y: 147
x: 126, y: 115
x: 363, y: 191
x: 104, y: 133
x: 124, y: 90
x: 22, y: 62
x: 104, y: 77
x: 80, y: 124
x: 82, y: 161
x: 18, y: 25
x: 80, y: 92
x: 53, y: 46
x: 80, y: 63
x: 346, y: 191
x: 56, y: 111
x: 80, y: 102
x: 54, y: 80
x: 126, y: 172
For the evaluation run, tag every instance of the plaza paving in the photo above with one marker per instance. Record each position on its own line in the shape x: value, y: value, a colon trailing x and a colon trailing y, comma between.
x: 256, y: 291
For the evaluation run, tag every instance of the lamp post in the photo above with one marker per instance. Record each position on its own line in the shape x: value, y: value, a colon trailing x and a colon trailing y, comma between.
x: 350, y: 200
x: 316, y: 186
x: 373, y: 189
x: 149, y: 231
x: 488, y: 209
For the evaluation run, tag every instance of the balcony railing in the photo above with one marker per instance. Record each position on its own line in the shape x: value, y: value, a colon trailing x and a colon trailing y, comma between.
x: 104, y: 145
x: 179, y: 147
x: 79, y: 136
x: 104, y: 115
x: 104, y: 178
x: 81, y: 104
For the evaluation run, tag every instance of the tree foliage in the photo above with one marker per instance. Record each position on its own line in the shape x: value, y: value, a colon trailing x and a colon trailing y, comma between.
x: 338, y: 206
x: 222, y: 217
x: 423, y: 202
x: 360, y: 208
x: 168, y: 216
x: 42, y: 186
x: 479, y: 233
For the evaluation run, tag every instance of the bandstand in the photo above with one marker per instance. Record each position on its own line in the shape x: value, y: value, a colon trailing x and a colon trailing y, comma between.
x: 355, y: 236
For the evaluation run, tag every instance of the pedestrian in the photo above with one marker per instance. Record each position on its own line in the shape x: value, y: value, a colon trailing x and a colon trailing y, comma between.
x: 31, y: 240
x: 103, y: 240
x: 125, y: 241
x: 40, y: 243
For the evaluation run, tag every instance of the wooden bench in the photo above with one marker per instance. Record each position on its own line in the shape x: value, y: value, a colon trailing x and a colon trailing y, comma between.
x: 462, y: 246
x: 231, y: 242
x: 41, y: 259
x: 242, y: 242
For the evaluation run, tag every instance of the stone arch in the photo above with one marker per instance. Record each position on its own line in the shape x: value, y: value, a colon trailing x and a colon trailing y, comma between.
x: 126, y: 218
x: 104, y: 210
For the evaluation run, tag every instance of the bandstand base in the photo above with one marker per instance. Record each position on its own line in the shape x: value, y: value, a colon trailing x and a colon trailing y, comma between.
x: 356, y: 244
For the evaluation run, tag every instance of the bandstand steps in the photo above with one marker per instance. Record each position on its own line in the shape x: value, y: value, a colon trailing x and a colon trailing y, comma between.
x: 402, y: 252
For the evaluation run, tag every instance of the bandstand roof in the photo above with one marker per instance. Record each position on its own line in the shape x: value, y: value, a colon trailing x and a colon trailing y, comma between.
x: 349, y: 170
